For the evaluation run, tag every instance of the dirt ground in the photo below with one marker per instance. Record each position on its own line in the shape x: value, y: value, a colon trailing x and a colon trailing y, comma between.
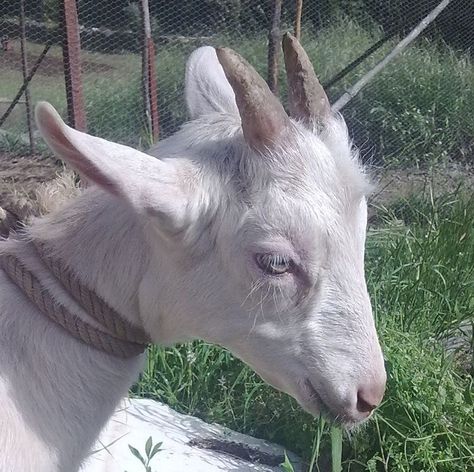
x: 391, y: 185
x: 20, y: 177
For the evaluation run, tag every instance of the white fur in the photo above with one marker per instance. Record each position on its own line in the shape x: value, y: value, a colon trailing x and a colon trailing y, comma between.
x: 170, y: 243
x: 207, y: 90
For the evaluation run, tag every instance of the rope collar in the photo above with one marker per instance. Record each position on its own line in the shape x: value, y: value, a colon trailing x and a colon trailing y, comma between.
x: 116, y: 336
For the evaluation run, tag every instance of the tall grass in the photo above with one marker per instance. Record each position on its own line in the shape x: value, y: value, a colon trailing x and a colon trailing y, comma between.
x: 420, y: 273
x: 424, y: 262
x: 419, y: 110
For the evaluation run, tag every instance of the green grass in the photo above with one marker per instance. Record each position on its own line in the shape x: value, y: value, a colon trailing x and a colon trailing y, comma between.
x: 428, y: 247
x: 418, y: 110
x: 420, y: 272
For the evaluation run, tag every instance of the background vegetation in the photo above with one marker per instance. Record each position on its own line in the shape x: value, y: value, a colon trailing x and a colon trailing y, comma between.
x: 252, y: 16
x: 418, y: 111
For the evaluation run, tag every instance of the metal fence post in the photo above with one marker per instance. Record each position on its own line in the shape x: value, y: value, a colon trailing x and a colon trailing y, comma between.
x: 274, y: 46
x: 299, y: 11
x: 72, y: 65
x: 24, y: 67
x: 149, y: 75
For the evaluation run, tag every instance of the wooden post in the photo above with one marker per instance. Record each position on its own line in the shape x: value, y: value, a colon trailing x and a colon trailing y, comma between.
x: 72, y: 65
x: 274, y: 46
x: 150, y: 98
x: 24, y: 67
x: 298, y: 13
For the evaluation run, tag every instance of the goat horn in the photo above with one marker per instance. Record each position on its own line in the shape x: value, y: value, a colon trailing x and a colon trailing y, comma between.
x: 307, y: 99
x: 263, y: 116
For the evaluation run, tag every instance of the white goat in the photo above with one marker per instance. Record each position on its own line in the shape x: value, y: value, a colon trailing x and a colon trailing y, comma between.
x: 248, y: 232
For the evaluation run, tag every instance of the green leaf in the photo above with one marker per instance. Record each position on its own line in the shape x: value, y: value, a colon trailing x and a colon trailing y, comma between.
x: 156, y: 448
x: 336, y: 449
x: 148, y: 445
x: 287, y: 466
x: 137, y: 454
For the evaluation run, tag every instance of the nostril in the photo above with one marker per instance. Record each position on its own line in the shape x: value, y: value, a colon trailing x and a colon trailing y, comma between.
x: 365, y: 402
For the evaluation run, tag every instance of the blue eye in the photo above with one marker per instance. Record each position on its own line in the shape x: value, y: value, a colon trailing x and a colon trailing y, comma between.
x: 274, y: 264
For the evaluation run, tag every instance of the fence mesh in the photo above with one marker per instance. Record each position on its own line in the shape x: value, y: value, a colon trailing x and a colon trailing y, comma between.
x: 419, y: 108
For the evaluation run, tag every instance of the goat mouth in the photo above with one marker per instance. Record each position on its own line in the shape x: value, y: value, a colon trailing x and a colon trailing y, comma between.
x: 313, y: 402
x: 310, y: 399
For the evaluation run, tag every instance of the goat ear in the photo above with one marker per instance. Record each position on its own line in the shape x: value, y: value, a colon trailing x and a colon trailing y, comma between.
x: 207, y: 89
x: 148, y: 184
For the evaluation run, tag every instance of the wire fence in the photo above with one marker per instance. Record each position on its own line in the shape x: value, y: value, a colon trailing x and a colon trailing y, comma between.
x: 419, y: 108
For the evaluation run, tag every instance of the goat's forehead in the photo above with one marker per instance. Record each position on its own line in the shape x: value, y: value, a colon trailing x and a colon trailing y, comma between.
x: 309, y: 206
x: 330, y: 166
x: 314, y: 167
x: 309, y: 193
x: 300, y: 215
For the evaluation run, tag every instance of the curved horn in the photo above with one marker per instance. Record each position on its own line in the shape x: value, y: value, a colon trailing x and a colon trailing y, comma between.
x: 307, y: 99
x: 263, y: 116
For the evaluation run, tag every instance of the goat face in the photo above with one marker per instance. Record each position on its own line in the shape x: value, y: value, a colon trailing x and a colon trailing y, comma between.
x: 255, y: 226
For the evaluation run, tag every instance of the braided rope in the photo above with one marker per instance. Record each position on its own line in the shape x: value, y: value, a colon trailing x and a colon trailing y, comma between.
x: 91, y: 302
x: 58, y: 313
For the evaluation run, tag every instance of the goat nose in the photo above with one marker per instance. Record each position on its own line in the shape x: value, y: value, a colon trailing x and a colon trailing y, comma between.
x: 368, y: 398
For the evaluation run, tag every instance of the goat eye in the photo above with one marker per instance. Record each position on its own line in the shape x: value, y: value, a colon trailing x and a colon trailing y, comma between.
x: 273, y: 264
